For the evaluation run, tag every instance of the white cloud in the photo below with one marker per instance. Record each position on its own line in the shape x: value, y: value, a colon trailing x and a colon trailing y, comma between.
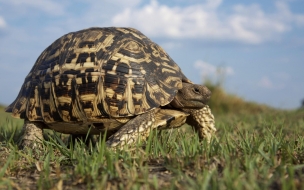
x: 213, y: 4
x: 2, y: 22
x: 275, y: 81
x: 246, y: 23
x: 287, y: 15
x: 160, y: 20
x: 120, y: 3
x: 265, y: 82
x: 299, y: 19
x: 250, y: 24
x: 282, y: 76
x: 48, y: 6
x: 170, y: 45
x: 210, y: 71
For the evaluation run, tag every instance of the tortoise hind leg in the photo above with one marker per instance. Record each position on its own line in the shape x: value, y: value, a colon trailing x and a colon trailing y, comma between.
x: 31, y: 135
x: 203, y: 122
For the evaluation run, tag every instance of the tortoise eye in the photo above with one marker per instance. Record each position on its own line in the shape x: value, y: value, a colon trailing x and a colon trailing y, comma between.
x: 196, y: 90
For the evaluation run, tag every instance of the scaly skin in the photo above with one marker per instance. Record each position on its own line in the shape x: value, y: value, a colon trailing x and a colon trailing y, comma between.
x: 31, y: 135
x: 139, y: 127
x: 203, y: 122
x: 136, y: 129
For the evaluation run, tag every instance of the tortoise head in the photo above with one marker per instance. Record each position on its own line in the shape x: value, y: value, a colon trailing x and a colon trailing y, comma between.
x: 191, y: 96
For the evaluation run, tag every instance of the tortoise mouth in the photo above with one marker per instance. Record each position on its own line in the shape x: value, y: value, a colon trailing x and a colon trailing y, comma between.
x: 195, y: 104
x: 203, y: 100
x: 192, y: 103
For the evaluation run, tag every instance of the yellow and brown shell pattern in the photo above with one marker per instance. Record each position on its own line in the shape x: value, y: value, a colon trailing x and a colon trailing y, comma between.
x: 97, y: 73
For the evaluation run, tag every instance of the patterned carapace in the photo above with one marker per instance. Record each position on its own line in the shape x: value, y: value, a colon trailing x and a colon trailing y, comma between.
x: 96, y: 73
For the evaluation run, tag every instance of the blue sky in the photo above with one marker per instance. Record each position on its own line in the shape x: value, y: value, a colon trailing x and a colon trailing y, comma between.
x: 257, y: 45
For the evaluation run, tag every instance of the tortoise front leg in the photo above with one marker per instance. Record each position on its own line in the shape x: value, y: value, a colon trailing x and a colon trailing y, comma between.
x: 136, y: 129
x: 203, y: 122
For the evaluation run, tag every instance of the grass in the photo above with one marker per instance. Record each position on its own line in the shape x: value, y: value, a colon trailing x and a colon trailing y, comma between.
x: 256, y: 147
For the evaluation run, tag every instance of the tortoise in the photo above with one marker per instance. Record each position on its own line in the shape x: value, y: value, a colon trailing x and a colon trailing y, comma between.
x: 109, y: 80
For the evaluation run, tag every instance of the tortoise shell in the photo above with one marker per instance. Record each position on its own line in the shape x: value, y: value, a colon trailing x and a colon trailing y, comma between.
x: 98, y: 73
